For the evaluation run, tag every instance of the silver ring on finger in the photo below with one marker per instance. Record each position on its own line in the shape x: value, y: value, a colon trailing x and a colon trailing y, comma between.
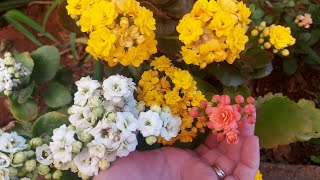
x: 219, y: 171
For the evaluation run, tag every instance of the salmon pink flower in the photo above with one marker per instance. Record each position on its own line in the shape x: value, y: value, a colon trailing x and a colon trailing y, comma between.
x: 203, y: 104
x: 216, y: 98
x: 249, y: 109
x: 232, y: 136
x: 225, y: 100
x: 250, y: 100
x: 194, y: 112
x: 239, y: 99
x: 223, y: 118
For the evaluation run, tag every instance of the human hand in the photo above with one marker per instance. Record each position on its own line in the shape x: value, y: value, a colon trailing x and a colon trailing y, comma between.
x: 239, y: 161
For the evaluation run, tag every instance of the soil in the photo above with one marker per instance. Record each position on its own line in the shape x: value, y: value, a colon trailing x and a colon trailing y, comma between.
x: 303, y: 84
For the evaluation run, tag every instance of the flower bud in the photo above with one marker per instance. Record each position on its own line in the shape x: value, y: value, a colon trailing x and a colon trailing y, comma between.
x: 11, y: 70
x: 194, y: 113
x: 296, y: 21
x: 17, y: 75
x: 249, y: 109
x: 141, y: 106
x: 141, y: 39
x: 239, y: 99
x: 151, y: 140
x: 166, y: 109
x: 22, y: 172
x: 202, y: 130
x: 19, y: 158
x: 36, y: 142
x: 124, y: 23
x: 76, y: 147
x: 43, y: 170
x: 111, y: 116
x: 30, y: 153
x: 48, y: 176
x: 260, y: 28
x: 250, y: 100
x: 285, y: 52
x: 30, y: 165
x: 240, y: 124
x: 7, y: 55
x: 203, y: 104
x: 103, y: 164
x: 216, y: 98
x: 254, y: 32
x: 194, y: 129
x: 155, y: 108
x: 73, y: 167
x: 98, y: 111
x: 84, y: 177
x: 71, y: 128
x: 203, y: 119
x: 292, y: 42
x: 263, y: 24
x: 85, y: 137
x: 199, y: 125
x: 275, y: 51
x: 225, y: 99
x: 12, y: 171
x: 300, y: 24
x: 7, y: 92
x: 266, y: 32
x: 261, y: 40
x: 57, y: 174
x: 267, y: 45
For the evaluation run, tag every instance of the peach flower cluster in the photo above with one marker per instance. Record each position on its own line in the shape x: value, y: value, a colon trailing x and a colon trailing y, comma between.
x: 225, y: 118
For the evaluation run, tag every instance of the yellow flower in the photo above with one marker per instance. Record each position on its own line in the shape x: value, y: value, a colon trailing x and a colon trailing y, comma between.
x: 172, y: 97
x: 189, y: 56
x: 228, y: 5
x: 213, y: 50
x: 186, y: 136
x: 203, y: 9
x: 127, y: 6
x: 222, y: 23
x: 100, y: 43
x: 153, y: 97
x: 237, y: 40
x: 258, y: 176
x: 76, y: 7
x: 280, y: 36
x: 190, y: 29
x: 161, y: 63
x: 244, y: 13
x: 198, y: 96
x: 182, y: 79
x: 145, y: 21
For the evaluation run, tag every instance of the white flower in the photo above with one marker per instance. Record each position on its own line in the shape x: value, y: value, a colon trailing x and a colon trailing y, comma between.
x: 4, y: 161
x: 110, y: 156
x: 4, y: 174
x: 126, y: 121
x: 128, y: 144
x: 96, y: 149
x: 87, y: 165
x: 44, y: 155
x: 86, y: 88
x: 82, y: 117
x: 171, y: 125
x: 115, y: 88
x: 107, y: 134
x: 61, y: 147
x: 130, y: 105
x: 150, y: 123
x: 62, y: 166
x: 12, y: 143
x: 25, y: 178
x: 95, y: 100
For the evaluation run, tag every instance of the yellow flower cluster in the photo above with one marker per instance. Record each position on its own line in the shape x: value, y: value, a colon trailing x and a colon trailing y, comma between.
x: 275, y: 36
x: 170, y: 86
x: 214, y: 31
x: 120, y: 31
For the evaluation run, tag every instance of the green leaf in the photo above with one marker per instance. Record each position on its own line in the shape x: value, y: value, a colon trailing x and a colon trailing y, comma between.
x: 179, y: 8
x: 279, y: 120
x: 257, y: 14
x: 206, y: 88
x: 57, y: 95
x: 26, y: 111
x: 314, y: 114
x: 23, y: 128
x: 26, y: 60
x: 156, y: 10
x: 262, y: 72
x: 315, y: 159
x: 9, y: 4
x: 165, y: 27
x: 169, y: 47
x: 289, y: 65
x: 25, y: 93
x: 48, y: 13
x: 47, y: 123
x: 46, y: 63
x: 227, y: 74
x: 256, y: 58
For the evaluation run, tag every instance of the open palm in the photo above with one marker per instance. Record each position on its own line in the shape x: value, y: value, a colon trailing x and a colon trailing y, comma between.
x: 239, y: 161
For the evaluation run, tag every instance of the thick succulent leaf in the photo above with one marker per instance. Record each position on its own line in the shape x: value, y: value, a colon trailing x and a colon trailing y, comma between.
x: 227, y: 74
x: 179, y: 8
x: 57, y: 95
x: 47, y: 123
x: 255, y: 58
x: 25, y: 93
x: 279, y: 120
x: 206, y: 88
x: 65, y: 20
x: 234, y: 91
x: 26, y: 111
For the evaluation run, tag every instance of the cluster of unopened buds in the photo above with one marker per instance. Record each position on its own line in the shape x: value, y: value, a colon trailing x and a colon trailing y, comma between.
x: 225, y: 118
x: 304, y: 20
x: 274, y: 37
x: 10, y: 74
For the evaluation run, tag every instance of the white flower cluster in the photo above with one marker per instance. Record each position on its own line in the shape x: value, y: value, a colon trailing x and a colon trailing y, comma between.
x: 10, y: 74
x: 15, y: 160
x: 103, y: 124
x: 158, y: 122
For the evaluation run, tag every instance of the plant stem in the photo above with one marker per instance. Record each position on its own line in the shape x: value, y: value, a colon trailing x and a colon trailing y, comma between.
x: 98, y: 70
